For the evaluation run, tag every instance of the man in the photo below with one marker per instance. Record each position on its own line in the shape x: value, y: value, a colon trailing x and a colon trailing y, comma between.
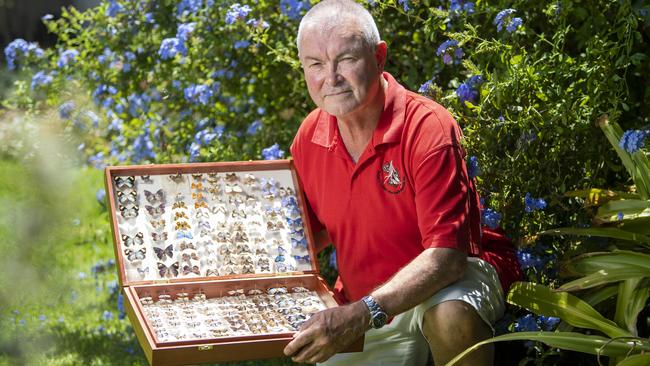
x: 384, y: 175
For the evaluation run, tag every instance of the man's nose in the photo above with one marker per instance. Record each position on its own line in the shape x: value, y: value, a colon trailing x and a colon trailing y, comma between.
x: 333, y: 76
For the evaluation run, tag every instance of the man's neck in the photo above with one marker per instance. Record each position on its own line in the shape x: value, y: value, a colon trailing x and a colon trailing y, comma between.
x: 357, y: 129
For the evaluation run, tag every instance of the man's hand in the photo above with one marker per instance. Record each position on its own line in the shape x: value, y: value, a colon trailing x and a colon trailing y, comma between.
x: 328, y: 332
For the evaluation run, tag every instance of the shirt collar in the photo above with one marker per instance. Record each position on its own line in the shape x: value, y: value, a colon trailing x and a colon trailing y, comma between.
x: 389, y: 128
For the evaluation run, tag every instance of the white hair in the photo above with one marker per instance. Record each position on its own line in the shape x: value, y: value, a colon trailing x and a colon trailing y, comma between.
x: 328, y: 14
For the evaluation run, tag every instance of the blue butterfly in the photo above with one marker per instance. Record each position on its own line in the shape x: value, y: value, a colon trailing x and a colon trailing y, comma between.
x: 184, y: 234
x: 295, y: 224
x: 289, y: 201
x: 279, y: 258
x: 299, y: 243
x: 304, y: 258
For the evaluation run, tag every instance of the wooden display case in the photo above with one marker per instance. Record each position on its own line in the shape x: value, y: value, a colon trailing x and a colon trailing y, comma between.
x: 148, y: 281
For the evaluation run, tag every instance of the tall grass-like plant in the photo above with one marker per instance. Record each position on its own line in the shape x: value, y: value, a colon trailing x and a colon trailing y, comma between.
x: 623, y: 273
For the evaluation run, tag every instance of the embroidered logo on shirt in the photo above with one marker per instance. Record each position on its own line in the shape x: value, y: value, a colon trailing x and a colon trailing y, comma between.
x: 389, y: 178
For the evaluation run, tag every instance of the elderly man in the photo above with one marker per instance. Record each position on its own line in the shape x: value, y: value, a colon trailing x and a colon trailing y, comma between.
x: 384, y: 175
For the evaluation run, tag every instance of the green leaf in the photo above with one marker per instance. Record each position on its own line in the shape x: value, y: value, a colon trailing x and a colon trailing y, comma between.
x: 608, y: 232
x: 636, y: 360
x: 604, y: 276
x: 542, y: 300
x: 632, y: 297
x: 620, y: 259
x: 631, y: 209
x: 595, y: 345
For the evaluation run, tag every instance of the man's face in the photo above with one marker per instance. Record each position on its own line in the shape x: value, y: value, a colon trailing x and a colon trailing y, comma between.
x: 342, y: 73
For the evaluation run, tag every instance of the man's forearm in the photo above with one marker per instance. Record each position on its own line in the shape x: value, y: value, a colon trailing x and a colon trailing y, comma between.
x: 431, y: 271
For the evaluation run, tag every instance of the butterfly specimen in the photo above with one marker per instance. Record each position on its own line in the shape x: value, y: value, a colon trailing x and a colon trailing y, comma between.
x: 159, y: 237
x: 136, y: 240
x: 157, y: 224
x: 299, y: 243
x: 194, y: 269
x: 185, y: 245
x: 165, y: 271
x: 197, y: 177
x: 179, y: 204
x: 232, y: 188
x: 161, y: 253
x: 133, y: 255
x: 124, y: 182
x: 304, y: 258
x: 154, y: 198
x: 155, y: 210
x: 184, y: 234
x: 129, y: 212
x: 231, y: 177
x: 143, y: 272
x: 127, y: 198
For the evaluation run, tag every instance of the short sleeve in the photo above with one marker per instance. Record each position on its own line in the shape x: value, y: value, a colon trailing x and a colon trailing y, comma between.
x: 296, y: 153
x: 442, y: 201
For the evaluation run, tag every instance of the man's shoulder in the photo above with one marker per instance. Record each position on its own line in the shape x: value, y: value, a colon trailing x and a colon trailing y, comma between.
x: 426, y: 116
x: 305, y: 131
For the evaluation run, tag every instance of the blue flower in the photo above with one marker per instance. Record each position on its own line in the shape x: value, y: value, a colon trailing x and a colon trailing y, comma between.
x: 527, y: 324
x: 633, y: 140
x: 467, y: 91
x: 490, y: 218
x: 19, y: 48
x: 533, y: 204
x: 257, y: 23
x: 97, y: 160
x: 473, y: 170
x: 100, y: 196
x: 47, y: 17
x: 61, y: 319
x: 241, y: 44
x: 41, y: 78
x: 42, y: 318
x: 261, y: 111
x: 332, y: 261
x: 456, y: 7
x: 293, y: 9
x: 548, y: 323
x: 254, y: 127
x: 272, y: 152
x: 184, y: 31
x: 198, y: 94
x: 67, y: 57
x: 450, y: 52
x: 143, y: 147
x: 186, y: 7
x: 404, y: 3
x: 505, y: 20
x: 620, y: 216
x: 107, y: 315
x: 93, y: 118
x: 424, y: 88
x: 528, y: 259
x: 170, y: 47
x: 121, y: 312
x: 113, y: 9
x: 237, y: 12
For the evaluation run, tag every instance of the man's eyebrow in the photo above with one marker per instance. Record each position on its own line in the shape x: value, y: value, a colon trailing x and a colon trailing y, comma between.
x: 345, y: 52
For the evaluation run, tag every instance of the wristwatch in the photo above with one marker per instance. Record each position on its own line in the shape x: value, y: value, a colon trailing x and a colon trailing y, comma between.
x: 378, y: 316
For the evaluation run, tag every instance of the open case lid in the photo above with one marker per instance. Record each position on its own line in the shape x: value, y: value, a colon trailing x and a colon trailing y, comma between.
x: 206, y: 221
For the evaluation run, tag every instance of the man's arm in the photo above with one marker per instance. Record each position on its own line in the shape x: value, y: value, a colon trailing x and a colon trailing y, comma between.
x: 332, y: 330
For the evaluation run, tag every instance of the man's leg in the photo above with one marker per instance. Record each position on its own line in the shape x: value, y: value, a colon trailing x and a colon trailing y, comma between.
x: 451, y: 327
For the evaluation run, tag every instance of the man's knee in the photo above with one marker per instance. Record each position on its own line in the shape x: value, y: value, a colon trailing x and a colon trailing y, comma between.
x: 454, y: 319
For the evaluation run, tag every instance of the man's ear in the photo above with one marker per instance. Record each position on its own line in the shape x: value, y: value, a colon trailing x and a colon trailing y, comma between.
x: 381, y: 50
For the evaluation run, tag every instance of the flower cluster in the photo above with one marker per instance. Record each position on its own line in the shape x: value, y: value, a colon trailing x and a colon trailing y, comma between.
x: 272, y: 152
x: 170, y: 47
x: 20, y: 49
x: 41, y: 78
x: 490, y: 218
x: 533, y: 204
x: 405, y: 4
x: 473, y: 170
x: 633, y: 140
x: 113, y: 8
x: 237, y: 12
x: 456, y: 7
x: 66, y: 109
x: 467, y: 91
x: 67, y: 57
x: 294, y: 9
x: 505, y: 20
x: 450, y: 52
x: 528, y: 323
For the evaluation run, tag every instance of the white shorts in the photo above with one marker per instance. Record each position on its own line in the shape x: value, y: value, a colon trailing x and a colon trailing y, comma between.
x: 402, y: 343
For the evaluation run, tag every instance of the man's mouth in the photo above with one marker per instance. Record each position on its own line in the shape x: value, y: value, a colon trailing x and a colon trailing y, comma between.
x: 337, y: 93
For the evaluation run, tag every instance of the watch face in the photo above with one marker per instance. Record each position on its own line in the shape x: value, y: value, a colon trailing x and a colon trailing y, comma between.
x: 379, y: 320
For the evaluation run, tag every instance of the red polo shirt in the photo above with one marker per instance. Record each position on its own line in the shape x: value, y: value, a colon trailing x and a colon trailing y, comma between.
x: 409, y: 190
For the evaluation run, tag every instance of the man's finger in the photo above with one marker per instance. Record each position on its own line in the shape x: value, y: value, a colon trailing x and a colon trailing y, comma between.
x: 300, y: 339
x: 306, y: 353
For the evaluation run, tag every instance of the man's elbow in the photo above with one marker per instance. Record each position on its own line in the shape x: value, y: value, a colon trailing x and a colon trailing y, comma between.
x: 451, y: 263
